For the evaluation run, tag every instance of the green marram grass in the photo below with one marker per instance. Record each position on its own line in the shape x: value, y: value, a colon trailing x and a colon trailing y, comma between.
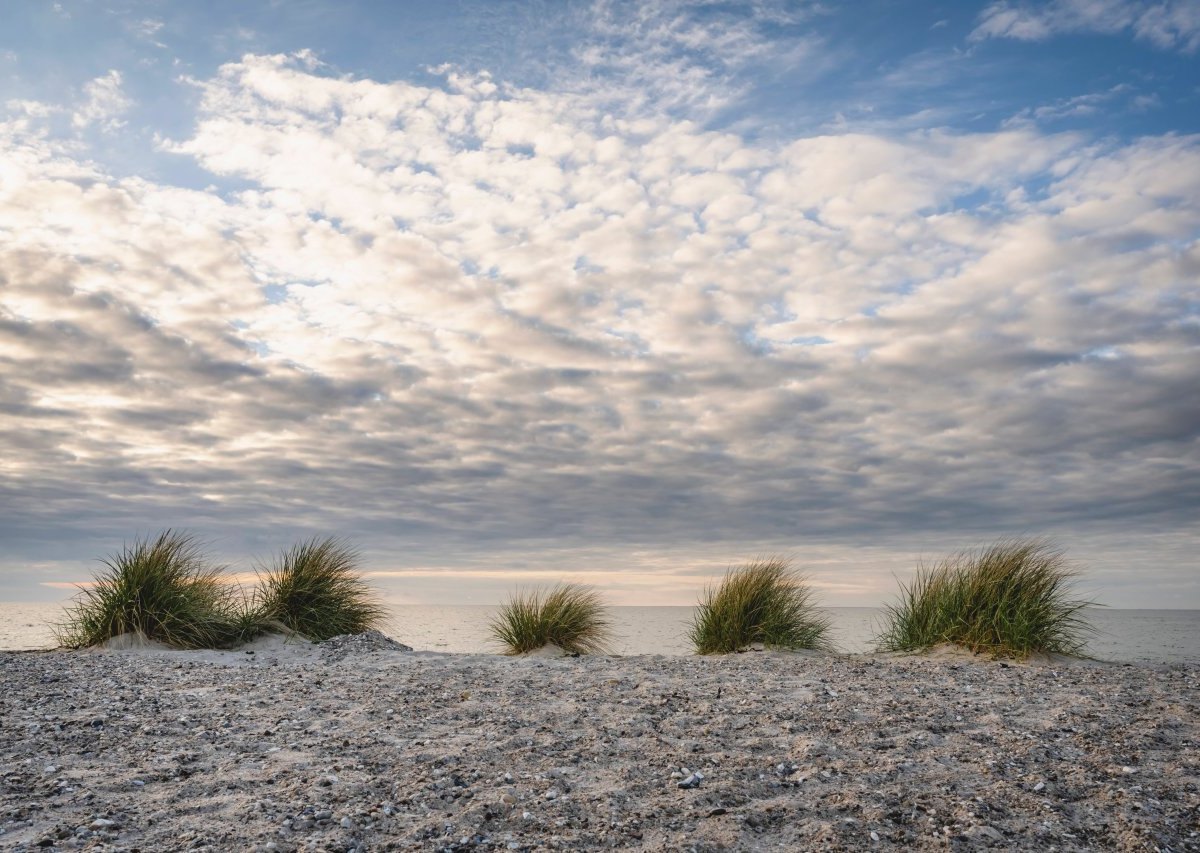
x: 570, y: 616
x: 1010, y: 599
x: 315, y: 589
x: 764, y: 602
x: 160, y: 589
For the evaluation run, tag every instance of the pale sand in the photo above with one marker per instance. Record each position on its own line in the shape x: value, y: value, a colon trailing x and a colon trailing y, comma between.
x: 298, y: 747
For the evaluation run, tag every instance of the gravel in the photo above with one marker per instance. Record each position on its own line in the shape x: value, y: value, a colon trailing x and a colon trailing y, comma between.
x: 357, y: 744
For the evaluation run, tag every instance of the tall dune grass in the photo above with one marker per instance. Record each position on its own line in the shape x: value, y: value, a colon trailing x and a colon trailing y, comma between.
x: 763, y: 602
x: 1010, y: 599
x: 163, y: 590
x: 570, y: 616
x: 315, y: 589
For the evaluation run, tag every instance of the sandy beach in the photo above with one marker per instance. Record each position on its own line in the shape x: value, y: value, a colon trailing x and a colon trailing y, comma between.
x: 353, y: 745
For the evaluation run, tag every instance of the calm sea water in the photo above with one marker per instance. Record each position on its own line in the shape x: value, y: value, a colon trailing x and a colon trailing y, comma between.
x: 1127, y: 636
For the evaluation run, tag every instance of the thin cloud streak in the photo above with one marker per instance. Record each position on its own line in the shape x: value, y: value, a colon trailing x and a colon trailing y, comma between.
x: 1168, y: 25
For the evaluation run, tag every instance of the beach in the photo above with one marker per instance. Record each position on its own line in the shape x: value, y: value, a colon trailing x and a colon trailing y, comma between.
x: 359, y: 745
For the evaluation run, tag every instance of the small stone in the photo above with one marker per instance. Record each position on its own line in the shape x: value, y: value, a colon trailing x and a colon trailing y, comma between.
x: 1128, y: 770
x: 1039, y: 787
x: 103, y: 823
x: 874, y: 835
x: 347, y: 823
x: 985, y: 833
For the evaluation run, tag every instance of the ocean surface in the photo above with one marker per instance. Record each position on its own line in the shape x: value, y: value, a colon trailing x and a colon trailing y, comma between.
x: 1125, y: 636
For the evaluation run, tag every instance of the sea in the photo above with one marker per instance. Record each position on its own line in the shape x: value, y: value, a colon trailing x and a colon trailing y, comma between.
x: 1121, y: 636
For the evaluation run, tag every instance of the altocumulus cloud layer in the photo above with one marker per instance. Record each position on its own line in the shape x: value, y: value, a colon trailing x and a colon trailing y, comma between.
x: 482, y: 327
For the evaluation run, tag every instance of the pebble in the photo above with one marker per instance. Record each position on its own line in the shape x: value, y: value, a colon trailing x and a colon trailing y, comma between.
x: 985, y: 833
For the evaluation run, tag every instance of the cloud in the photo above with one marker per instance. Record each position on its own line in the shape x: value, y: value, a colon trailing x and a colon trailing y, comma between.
x: 468, y: 322
x: 1168, y: 25
x: 147, y: 28
x: 684, y: 55
x: 1118, y: 98
x: 105, y: 103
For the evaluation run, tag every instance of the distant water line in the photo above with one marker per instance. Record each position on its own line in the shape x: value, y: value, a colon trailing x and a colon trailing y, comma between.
x: 1124, y: 636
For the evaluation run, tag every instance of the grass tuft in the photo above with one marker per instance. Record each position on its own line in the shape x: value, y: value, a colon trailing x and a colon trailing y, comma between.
x: 763, y: 602
x: 315, y: 589
x: 1009, y: 599
x: 569, y: 616
x: 163, y: 590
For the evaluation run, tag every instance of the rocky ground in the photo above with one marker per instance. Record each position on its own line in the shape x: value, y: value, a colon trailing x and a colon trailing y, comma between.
x: 360, y: 746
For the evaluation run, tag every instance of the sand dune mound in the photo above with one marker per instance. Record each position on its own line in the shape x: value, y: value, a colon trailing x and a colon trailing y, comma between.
x: 343, y: 645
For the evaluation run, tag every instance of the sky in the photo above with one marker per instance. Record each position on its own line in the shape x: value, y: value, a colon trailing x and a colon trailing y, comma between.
x: 624, y: 293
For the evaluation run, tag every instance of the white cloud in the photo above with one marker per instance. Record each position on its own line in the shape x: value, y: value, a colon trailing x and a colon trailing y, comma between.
x: 683, y: 56
x: 30, y: 108
x: 1170, y: 25
x: 148, y: 27
x: 105, y: 103
x: 479, y: 317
